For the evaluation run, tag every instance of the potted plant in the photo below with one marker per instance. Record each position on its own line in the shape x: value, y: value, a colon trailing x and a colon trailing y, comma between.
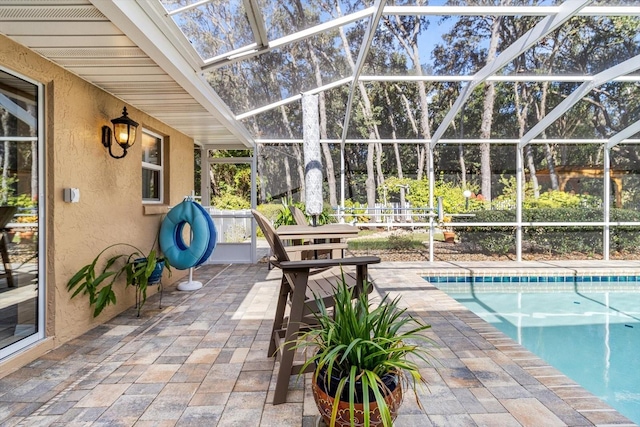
x: 366, y: 355
x: 139, y: 270
x: 447, y: 232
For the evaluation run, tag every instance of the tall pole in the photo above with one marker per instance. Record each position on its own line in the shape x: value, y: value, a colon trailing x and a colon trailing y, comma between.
x: 312, y: 156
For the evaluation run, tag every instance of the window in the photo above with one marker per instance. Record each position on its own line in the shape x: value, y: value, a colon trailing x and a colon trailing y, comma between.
x: 152, y: 175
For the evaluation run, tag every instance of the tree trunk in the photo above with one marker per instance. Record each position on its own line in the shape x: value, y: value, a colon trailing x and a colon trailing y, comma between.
x: 541, y: 112
x: 370, y: 184
x: 328, y: 161
x: 461, y: 161
x: 379, y: 173
x: 521, y: 113
x: 392, y: 121
x: 287, y: 177
x: 295, y: 148
x: 409, y: 41
x: 372, y: 129
x: 487, y: 117
x: 260, y: 166
x: 425, y: 130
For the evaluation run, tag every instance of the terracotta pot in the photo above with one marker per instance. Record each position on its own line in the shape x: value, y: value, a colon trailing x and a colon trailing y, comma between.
x: 26, y: 235
x: 325, y: 403
x: 449, y: 236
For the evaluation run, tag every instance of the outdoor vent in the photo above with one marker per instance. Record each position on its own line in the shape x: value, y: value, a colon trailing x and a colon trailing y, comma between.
x: 104, y: 62
x: 54, y: 13
x: 141, y: 87
x: 159, y: 105
x: 99, y: 52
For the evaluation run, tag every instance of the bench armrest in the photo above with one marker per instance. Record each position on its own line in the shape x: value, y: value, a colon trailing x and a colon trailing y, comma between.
x: 322, y: 263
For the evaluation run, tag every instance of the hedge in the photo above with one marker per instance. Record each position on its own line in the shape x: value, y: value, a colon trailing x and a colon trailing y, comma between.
x: 562, y: 240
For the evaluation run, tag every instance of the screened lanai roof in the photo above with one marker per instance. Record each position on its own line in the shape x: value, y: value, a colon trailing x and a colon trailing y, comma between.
x: 240, y: 67
x: 261, y: 56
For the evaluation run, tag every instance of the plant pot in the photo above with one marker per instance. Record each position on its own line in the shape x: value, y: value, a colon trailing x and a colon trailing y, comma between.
x: 325, y: 403
x: 26, y: 235
x: 449, y: 236
x: 156, y: 276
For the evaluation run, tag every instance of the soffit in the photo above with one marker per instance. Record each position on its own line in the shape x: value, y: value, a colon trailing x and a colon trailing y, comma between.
x: 78, y: 36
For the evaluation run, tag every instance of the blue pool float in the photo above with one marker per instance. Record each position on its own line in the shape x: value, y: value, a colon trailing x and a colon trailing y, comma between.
x: 203, y: 235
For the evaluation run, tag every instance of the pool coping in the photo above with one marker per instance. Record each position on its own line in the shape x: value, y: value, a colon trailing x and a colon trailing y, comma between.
x: 542, y: 268
x: 537, y: 370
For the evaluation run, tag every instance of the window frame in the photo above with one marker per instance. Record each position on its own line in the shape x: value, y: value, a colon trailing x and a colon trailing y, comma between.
x: 154, y: 167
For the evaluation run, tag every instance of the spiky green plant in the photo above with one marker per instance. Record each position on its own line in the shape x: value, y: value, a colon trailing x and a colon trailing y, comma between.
x: 360, y: 341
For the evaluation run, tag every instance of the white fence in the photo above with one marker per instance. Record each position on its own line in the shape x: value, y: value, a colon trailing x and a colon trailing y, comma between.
x: 235, y: 236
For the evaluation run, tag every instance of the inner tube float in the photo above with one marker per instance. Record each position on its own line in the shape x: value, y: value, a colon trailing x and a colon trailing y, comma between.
x: 203, y: 235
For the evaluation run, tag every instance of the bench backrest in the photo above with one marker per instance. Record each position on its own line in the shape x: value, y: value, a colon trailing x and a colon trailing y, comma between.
x: 277, y: 247
x: 298, y: 215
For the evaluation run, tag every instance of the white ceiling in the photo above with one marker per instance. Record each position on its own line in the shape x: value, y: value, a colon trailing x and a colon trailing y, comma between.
x: 116, y: 46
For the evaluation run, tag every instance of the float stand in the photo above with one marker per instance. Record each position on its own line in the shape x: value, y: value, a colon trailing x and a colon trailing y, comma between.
x: 191, y: 285
x: 202, y: 238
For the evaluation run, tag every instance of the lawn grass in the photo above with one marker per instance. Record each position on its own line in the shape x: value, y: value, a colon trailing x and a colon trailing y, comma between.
x: 391, y: 242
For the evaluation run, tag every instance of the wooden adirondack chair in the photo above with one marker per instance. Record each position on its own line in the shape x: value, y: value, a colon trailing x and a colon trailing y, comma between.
x: 298, y: 215
x: 328, y: 248
x: 302, y: 283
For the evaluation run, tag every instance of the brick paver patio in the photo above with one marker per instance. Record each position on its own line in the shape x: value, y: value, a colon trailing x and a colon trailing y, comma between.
x: 201, y: 361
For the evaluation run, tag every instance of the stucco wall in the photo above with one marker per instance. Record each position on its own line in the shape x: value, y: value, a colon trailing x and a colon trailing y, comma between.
x: 110, y: 208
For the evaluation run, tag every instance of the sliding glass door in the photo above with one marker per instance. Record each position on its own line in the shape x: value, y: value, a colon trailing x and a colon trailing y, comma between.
x: 21, y: 286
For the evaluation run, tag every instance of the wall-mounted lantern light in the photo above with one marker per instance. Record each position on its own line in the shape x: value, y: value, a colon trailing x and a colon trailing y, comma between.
x: 124, y: 132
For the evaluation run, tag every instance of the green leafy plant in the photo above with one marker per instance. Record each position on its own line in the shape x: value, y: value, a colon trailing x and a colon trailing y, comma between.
x: 285, y: 217
x: 546, y: 199
x: 22, y: 201
x: 355, y: 211
x: 230, y: 202
x: 361, y: 343
x: 137, y: 269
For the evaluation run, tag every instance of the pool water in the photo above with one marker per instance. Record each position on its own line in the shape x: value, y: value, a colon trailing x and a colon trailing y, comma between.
x: 591, y: 336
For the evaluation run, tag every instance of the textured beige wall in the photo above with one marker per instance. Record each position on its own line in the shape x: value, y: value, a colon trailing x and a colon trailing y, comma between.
x: 110, y: 208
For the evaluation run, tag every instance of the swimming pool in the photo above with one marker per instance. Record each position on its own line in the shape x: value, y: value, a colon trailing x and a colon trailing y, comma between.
x: 588, y: 329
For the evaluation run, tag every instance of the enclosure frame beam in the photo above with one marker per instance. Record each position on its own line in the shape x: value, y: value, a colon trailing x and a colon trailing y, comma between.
x: 552, y: 22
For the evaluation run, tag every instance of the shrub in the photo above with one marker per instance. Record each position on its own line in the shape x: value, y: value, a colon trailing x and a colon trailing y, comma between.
x: 285, y: 217
x: 452, y: 194
x: 562, y: 240
x: 400, y: 242
x: 231, y: 202
x: 491, y: 239
x: 546, y: 199
x: 586, y: 239
x: 270, y: 210
x: 624, y: 237
x: 22, y: 201
x: 355, y: 211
